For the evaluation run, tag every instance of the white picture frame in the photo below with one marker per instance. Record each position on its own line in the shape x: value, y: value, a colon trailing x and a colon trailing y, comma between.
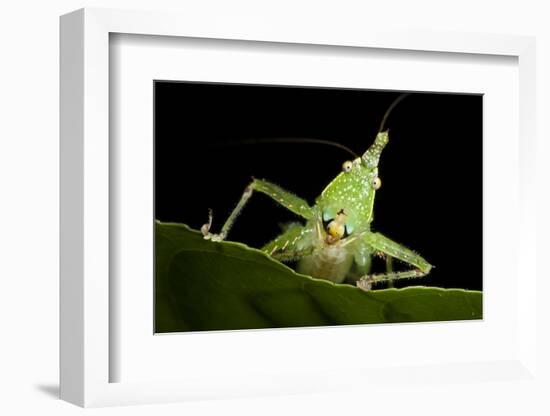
x: 86, y: 356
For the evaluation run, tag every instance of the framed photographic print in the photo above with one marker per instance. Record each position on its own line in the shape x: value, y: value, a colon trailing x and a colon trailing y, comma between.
x: 214, y: 140
x: 228, y: 197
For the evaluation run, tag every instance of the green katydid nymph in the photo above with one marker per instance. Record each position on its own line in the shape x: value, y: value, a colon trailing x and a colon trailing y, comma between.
x: 336, y: 242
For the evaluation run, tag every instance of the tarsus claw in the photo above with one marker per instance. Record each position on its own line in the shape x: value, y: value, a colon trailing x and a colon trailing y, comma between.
x: 364, y: 284
x: 214, y: 237
x: 205, y: 229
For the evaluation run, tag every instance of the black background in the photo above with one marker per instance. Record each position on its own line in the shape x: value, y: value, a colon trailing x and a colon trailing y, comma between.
x: 431, y: 170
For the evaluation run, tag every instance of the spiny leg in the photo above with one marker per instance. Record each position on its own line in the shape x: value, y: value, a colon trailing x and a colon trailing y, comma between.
x: 382, y: 243
x: 390, y: 248
x: 367, y: 281
x: 389, y: 269
x: 293, y: 244
x: 285, y: 198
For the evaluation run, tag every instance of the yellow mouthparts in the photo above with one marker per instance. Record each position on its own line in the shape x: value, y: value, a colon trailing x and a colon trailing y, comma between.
x: 337, y: 227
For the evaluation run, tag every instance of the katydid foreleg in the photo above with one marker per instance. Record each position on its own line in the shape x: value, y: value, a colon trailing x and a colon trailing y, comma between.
x: 285, y: 198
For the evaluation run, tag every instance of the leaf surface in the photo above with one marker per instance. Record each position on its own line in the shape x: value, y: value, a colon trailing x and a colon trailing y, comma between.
x: 201, y: 285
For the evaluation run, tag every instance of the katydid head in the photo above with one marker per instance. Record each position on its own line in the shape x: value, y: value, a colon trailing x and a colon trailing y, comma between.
x: 347, y: 202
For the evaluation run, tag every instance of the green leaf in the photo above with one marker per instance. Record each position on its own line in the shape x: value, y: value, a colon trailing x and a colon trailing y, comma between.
x: 201, y: 285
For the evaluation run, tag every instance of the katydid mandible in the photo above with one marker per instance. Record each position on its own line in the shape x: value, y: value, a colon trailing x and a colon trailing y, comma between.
x: 336, y: 242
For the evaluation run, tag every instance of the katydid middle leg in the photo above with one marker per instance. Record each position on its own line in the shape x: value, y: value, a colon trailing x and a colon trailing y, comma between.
x: 390, y: 248
x: 389, y: 269
x: 292, y: 244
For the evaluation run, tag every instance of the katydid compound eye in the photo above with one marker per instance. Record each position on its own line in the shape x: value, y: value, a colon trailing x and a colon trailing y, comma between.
x: 376, y: 183
x: 346, y: 167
